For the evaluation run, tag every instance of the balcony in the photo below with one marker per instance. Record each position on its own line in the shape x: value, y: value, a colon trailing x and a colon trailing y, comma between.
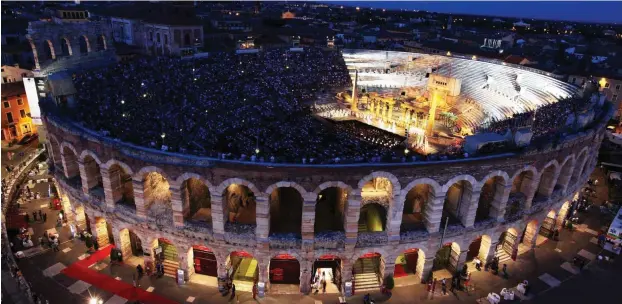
x: 372, y: 238
x: 285, y: 241
x: 329, y: 240
x: 240, y: 234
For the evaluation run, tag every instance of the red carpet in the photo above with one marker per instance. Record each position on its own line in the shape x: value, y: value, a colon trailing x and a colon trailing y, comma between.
x: 80, y: 271
x: 399, y: 271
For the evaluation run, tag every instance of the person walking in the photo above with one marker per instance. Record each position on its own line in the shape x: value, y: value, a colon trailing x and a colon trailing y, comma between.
x: 34, y: 216
x: 45, y: 217
x: 232, y: 292
x: 444, y: 286
x: 505, y: 271
x: 255, y: 291
x: 323, y: 286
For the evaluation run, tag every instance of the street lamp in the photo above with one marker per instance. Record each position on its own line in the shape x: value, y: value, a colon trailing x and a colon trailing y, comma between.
x: 257, y: 151
x: 163, y: 135
x: 406, y: 151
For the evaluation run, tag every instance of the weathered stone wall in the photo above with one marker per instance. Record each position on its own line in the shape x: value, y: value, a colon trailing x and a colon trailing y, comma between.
x: 309, y: 181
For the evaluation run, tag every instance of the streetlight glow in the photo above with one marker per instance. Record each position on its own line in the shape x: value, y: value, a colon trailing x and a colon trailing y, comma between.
x: 163, y: 135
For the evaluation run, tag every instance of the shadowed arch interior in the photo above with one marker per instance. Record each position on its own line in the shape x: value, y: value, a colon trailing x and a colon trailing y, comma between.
x: 285, y: 211
x: 239, y: 205
x: 157, y: 197
x: 492, y: 188
x: 456, y: 202
x: 547, y: 181
x: 72, y: 170
x: 330, y: 210
x: 93, y: 175
x: 415, y: 204
x: 196, y: 200
x: 122, y: 187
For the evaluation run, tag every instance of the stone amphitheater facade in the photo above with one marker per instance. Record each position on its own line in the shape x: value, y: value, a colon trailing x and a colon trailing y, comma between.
x: 548, y: 178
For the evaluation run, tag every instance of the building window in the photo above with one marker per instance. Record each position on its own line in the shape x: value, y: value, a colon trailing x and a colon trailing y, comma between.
x: 9, y: 117
x: 20, y: 102
x: 22, y: 113
x: 158, y: 37
x: 615, y: 98
x: 574, y: 79
x: 26, y: 128
x: 606, y: 85
x: 617, y: 87
x: 4, y: 79
x: 6, y: 104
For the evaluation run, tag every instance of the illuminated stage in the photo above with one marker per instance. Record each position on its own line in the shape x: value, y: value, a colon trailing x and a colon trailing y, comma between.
x: 439, y: 99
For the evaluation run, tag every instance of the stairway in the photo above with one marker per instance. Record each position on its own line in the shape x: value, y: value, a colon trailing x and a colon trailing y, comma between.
x: 241, y: 285
x: 170, y: 268
x: 502, y: 255
x: 365, y: 278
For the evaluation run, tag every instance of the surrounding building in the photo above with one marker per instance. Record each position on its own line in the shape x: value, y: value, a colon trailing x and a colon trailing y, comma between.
x: 16, y: 121
x: 14, y: 74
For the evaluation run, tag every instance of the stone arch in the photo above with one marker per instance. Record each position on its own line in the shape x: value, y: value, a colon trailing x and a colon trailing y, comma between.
x: 49, y: 53
x: 416, y: 200
x: 35, y: 53
x: 562, y: 215
x: 85, y: 46
x: 238, y: 181
x: 196, y: 199
x: 182, y: 178
x: 447, y: 257
x: 65, y: 45
x: 394, y: 181
x: 548, y: 179
x: 92, y: 173
x: 140, y: 175
x: 410, y: 261
x: 112, y: 161
x: 238, y: 202
x: 492, y: 195
x: 285, y: 217
x: 531, y: 233
x: 523, y: 183
x: 156, y: 195
x: 55, y: 147
x: 565, y: 173
x: 373, y: 218
x: 579, y: 163
x: 458, y: 201
x: 326, y: 185
x: 70, y: 160
x: 330, y: 207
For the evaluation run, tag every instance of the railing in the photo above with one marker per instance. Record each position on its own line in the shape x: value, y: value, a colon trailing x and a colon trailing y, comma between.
x: 372, y: 238
x: 329, y: 240
x: 285, y: 240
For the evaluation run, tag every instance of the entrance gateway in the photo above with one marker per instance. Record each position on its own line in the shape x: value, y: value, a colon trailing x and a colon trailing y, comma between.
x: 330, y: 266
x: 204, y: 261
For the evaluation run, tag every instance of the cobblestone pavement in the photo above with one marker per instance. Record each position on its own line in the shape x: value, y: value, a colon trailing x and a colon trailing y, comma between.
x: 545, y: 267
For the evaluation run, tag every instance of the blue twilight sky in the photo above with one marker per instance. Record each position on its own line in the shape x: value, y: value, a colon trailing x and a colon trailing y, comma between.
x: 585, y: 11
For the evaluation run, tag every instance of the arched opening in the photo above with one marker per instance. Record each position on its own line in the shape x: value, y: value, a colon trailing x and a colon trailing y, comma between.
x: 56, y: 156
x: 101, y: 43
x: 478, y: 248
x: 565, y: 174
x: 367, y: 272
x: 122, y: 187
x: 414, y: 208
x: 243, y: 269
x: 84, y: 45
x: 563, y: 215
x: 204, y: 264
x: 285, y: 211
x: 409, y: 267
x: 529, y: 235
x: 196, y: 199
x: 93, y: 176
x: 104, y: 235
x: 379, y: 189
x: 81, y: 220
x: 239, y: 206
x: 157, y: 196
x: 491, y: 192
x: 373, y: 218
x: 521, y: 185
x: 187, y: 41
x: 579, y: 165
x: 547, y: 182
x: 330, y: 210
x: 446, y: 261
x: 457, y: 202
x: 72, y: 169
x: 547, y: 229
x: 65, y: 47
x: 328, y: 266
x: 48, y: 51
x: 131, y: 247
x: 507, y: 245
x: 165, y: 252
x: 585, y: 167
x: 284, y: 273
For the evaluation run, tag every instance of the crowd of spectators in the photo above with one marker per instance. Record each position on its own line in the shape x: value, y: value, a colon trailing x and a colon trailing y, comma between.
x: 544, y: 121
x: 225, y: 106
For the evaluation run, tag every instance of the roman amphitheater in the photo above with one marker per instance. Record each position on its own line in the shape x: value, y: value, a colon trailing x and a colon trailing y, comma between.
x: 278, y: 224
